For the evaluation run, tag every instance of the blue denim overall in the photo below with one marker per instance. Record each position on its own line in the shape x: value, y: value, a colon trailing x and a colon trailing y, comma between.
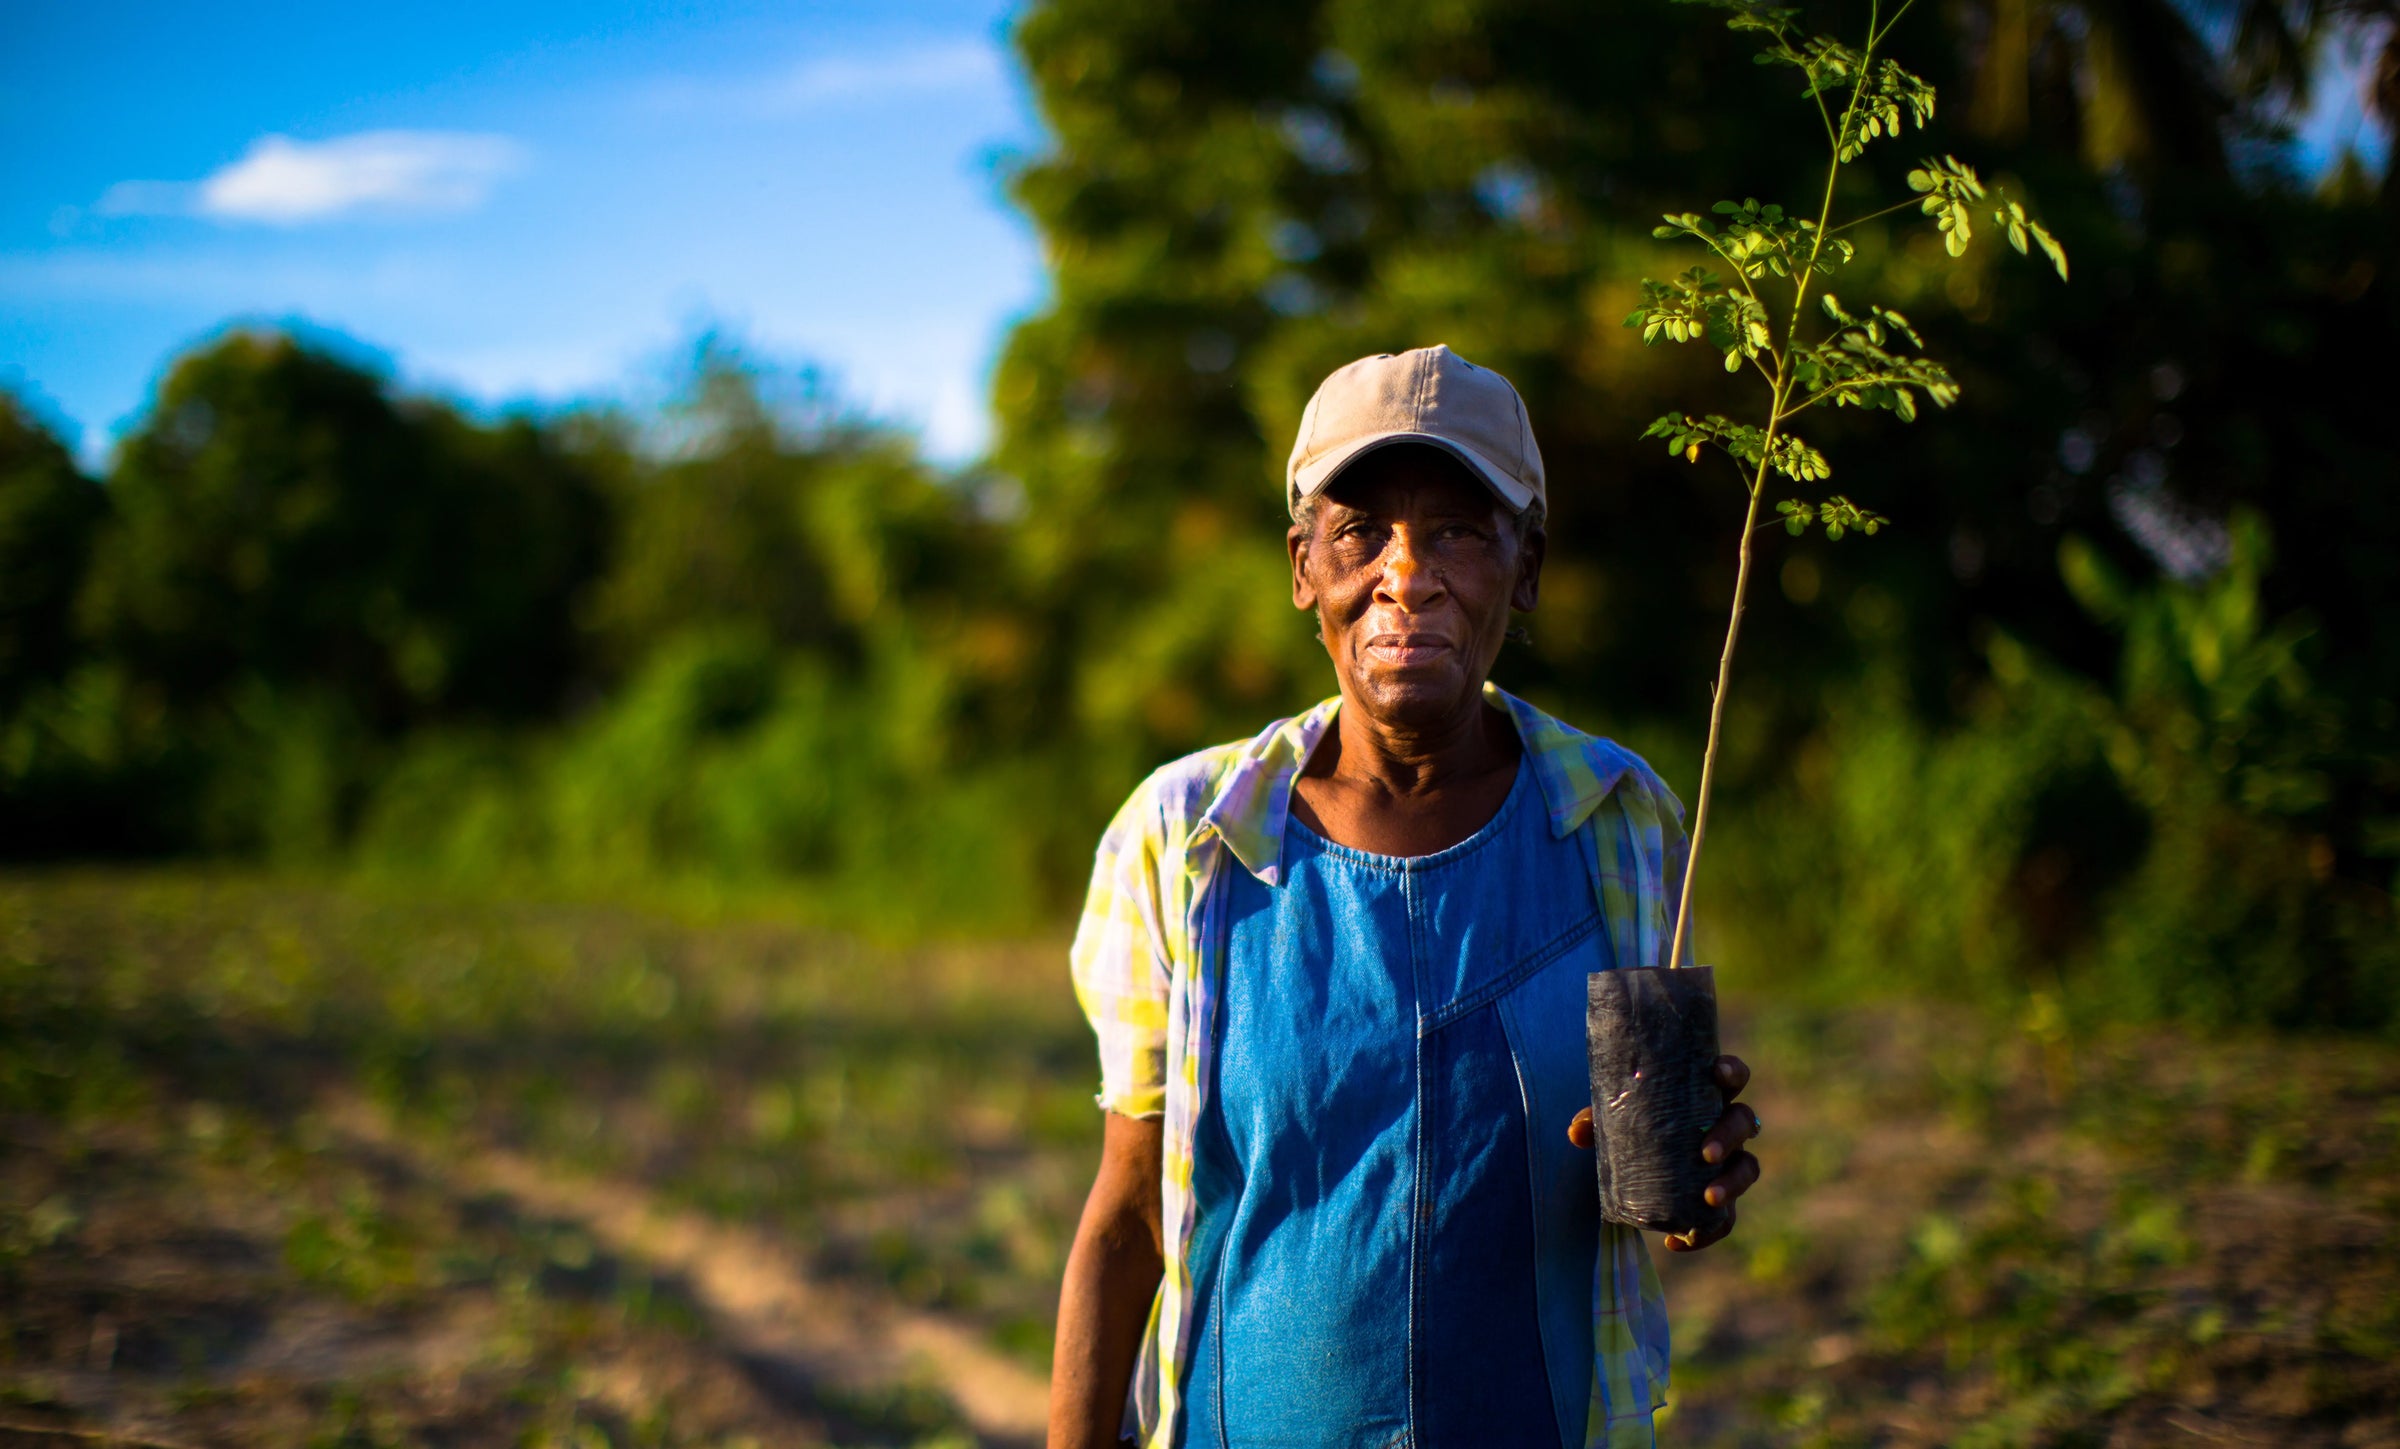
x: 1394, y: 1240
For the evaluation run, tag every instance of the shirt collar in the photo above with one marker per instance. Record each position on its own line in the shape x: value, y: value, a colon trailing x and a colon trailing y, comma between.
x: 1253, y: 803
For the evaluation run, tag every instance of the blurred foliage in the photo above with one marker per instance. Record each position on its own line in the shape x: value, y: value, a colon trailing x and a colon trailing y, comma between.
x: 48, y: 510
x: 2109, y: 706
x: 1945, y: 758
x: 279, y: 517
x: 2157, y: 841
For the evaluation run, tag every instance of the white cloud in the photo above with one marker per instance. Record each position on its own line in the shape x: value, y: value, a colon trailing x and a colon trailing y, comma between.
x: 825, y: 81
x: 287, y: 182
x: 957, y: 65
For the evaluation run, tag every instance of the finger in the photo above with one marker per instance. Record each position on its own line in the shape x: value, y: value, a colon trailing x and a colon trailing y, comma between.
x: 1732, y: 1182
x: 1579, y: 1131
x: 1698, y: 1238
x: 1733, y: 1074
x: 1737, y: 1125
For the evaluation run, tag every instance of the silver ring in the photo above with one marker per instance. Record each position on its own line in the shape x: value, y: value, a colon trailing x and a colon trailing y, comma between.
x: 1758, y: 1124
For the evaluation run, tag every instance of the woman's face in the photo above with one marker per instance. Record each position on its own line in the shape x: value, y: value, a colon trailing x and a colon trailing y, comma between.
x: 1412, y: 566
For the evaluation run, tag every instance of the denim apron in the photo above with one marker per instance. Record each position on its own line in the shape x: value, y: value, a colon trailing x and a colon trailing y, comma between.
x: 1394, y: 1239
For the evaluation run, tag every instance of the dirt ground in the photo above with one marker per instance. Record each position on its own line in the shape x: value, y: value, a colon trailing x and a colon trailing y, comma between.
x: 627, y: 1181
x: 1980, y: 1234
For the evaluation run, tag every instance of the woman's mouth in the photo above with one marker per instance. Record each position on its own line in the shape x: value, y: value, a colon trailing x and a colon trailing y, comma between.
x: 1407, y: 650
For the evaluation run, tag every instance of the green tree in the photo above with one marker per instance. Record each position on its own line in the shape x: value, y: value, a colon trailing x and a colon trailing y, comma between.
x: 279, y: 517
x: 1237, y: 198
x: 725, y: 510
x: 758, y: 504
x: 48, y: 513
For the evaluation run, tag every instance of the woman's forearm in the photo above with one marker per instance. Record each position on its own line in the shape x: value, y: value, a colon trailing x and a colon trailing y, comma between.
x: 1104, y: 1304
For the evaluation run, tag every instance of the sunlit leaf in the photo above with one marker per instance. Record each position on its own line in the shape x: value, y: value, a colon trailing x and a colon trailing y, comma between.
x: 2050, y: 248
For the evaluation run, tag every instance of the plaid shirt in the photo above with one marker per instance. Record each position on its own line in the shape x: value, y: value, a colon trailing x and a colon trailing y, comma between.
x: 1152, y: 943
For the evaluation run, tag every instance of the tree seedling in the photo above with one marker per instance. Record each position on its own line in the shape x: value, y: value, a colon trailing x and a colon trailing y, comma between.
x: 1759, y: 314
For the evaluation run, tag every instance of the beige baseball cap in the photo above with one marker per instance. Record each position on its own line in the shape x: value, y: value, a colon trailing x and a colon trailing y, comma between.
x: 1429, y: 395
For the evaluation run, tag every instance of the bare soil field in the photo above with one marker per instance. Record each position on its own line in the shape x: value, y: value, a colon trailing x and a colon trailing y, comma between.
x: 288, y: 1163
x: 1994, y: 1233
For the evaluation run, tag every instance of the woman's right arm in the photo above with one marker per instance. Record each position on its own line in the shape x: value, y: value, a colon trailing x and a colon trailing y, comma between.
x: 1112, y: 1276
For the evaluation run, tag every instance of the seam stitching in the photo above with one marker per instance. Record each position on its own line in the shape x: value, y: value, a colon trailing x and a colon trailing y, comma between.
x: 1492, y: 991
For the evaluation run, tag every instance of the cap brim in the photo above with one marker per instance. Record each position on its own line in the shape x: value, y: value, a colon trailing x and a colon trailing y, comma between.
x: 1321, y: 471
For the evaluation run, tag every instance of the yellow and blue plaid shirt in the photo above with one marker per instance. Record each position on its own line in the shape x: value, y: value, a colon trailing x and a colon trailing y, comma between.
x: 1153, y: 940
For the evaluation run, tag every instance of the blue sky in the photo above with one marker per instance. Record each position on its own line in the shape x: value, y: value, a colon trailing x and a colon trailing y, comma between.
x: 2336, y: 117
x: 512, y: 200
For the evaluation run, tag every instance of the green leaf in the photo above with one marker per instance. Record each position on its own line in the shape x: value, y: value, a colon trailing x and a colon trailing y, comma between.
x: 2050, y: 247
x: 1840, y: 516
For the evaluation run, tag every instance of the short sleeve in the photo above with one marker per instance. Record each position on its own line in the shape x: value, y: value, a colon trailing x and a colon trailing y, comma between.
x: 1121, y: 963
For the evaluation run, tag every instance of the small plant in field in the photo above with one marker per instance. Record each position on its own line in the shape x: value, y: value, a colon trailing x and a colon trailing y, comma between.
x: 1763, y: 314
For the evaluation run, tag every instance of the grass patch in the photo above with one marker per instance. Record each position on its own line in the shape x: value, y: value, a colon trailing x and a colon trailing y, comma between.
x: 169, y: 1044
x: 1991, y: 1229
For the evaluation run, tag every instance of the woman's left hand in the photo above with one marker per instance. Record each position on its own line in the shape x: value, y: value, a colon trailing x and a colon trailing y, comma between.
x: 1724, y: 1143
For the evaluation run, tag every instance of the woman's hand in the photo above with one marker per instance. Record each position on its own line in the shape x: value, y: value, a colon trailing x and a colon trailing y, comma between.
x: 1724, y: 1143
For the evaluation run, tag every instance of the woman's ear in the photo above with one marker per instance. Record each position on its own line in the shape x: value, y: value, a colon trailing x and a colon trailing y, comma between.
x: 1295, y: 544
x: 1528, y: 591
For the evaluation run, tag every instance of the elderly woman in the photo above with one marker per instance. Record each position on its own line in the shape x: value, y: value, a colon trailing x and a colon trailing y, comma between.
x: 1346, y: 1196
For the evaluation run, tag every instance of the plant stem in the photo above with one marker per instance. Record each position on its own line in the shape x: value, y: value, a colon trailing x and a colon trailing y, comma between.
x: 1716, y: 708
x: 1776, y: 413
x: 1887, y: 211
x: 1875, y: 36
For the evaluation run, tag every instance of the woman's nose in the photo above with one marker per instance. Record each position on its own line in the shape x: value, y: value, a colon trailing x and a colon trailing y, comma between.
x: 1408, y: 581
